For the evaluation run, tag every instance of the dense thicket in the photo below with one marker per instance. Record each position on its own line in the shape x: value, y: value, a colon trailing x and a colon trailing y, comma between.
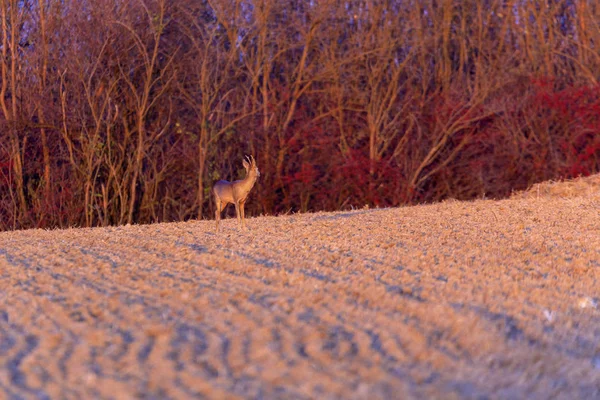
x: 117, y: 111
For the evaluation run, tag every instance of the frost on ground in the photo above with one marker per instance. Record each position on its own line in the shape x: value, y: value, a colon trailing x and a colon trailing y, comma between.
x: 453, y: 300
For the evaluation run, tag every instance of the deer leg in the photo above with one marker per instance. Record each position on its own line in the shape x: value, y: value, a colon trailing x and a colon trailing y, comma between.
x: 218, y: 212
x: 237, y: 212
x: 242, y: 205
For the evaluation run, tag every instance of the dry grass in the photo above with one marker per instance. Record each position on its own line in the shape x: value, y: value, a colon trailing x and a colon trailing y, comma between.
x: 454, y: 300
x: 588, y: 186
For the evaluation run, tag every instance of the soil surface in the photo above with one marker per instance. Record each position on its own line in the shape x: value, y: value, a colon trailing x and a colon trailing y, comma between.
x: 483, y: 299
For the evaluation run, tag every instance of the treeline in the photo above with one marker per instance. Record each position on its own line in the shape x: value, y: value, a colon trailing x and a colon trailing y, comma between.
x: 117, y: 111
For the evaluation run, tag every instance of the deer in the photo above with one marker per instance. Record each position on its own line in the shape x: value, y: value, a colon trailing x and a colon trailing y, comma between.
x: 236, y: 192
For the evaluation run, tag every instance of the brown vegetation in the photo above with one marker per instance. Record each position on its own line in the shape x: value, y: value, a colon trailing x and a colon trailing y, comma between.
x: 115, y: 112
x: 457, y: 300
x: 587, y: 187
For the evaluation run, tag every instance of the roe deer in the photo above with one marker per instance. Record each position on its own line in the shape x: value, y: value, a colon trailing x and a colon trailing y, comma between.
x: 236, y: 192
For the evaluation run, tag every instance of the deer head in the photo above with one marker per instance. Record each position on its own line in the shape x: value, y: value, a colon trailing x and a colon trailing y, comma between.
x: 250, y: 166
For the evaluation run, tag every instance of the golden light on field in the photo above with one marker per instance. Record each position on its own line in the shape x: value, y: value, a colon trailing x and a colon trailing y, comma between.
x: 457, y: 299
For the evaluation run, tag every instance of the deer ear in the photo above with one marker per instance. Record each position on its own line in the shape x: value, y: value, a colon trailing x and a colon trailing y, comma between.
x: 246, y: 165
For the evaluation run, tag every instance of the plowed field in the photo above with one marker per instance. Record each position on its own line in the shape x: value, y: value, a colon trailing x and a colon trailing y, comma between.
x: 484, y: 299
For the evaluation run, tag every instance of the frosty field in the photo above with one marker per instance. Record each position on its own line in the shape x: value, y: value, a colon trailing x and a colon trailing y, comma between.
x: 483, y: 299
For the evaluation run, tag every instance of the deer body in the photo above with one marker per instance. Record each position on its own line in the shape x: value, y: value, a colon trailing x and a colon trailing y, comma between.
x: 235, y: 192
